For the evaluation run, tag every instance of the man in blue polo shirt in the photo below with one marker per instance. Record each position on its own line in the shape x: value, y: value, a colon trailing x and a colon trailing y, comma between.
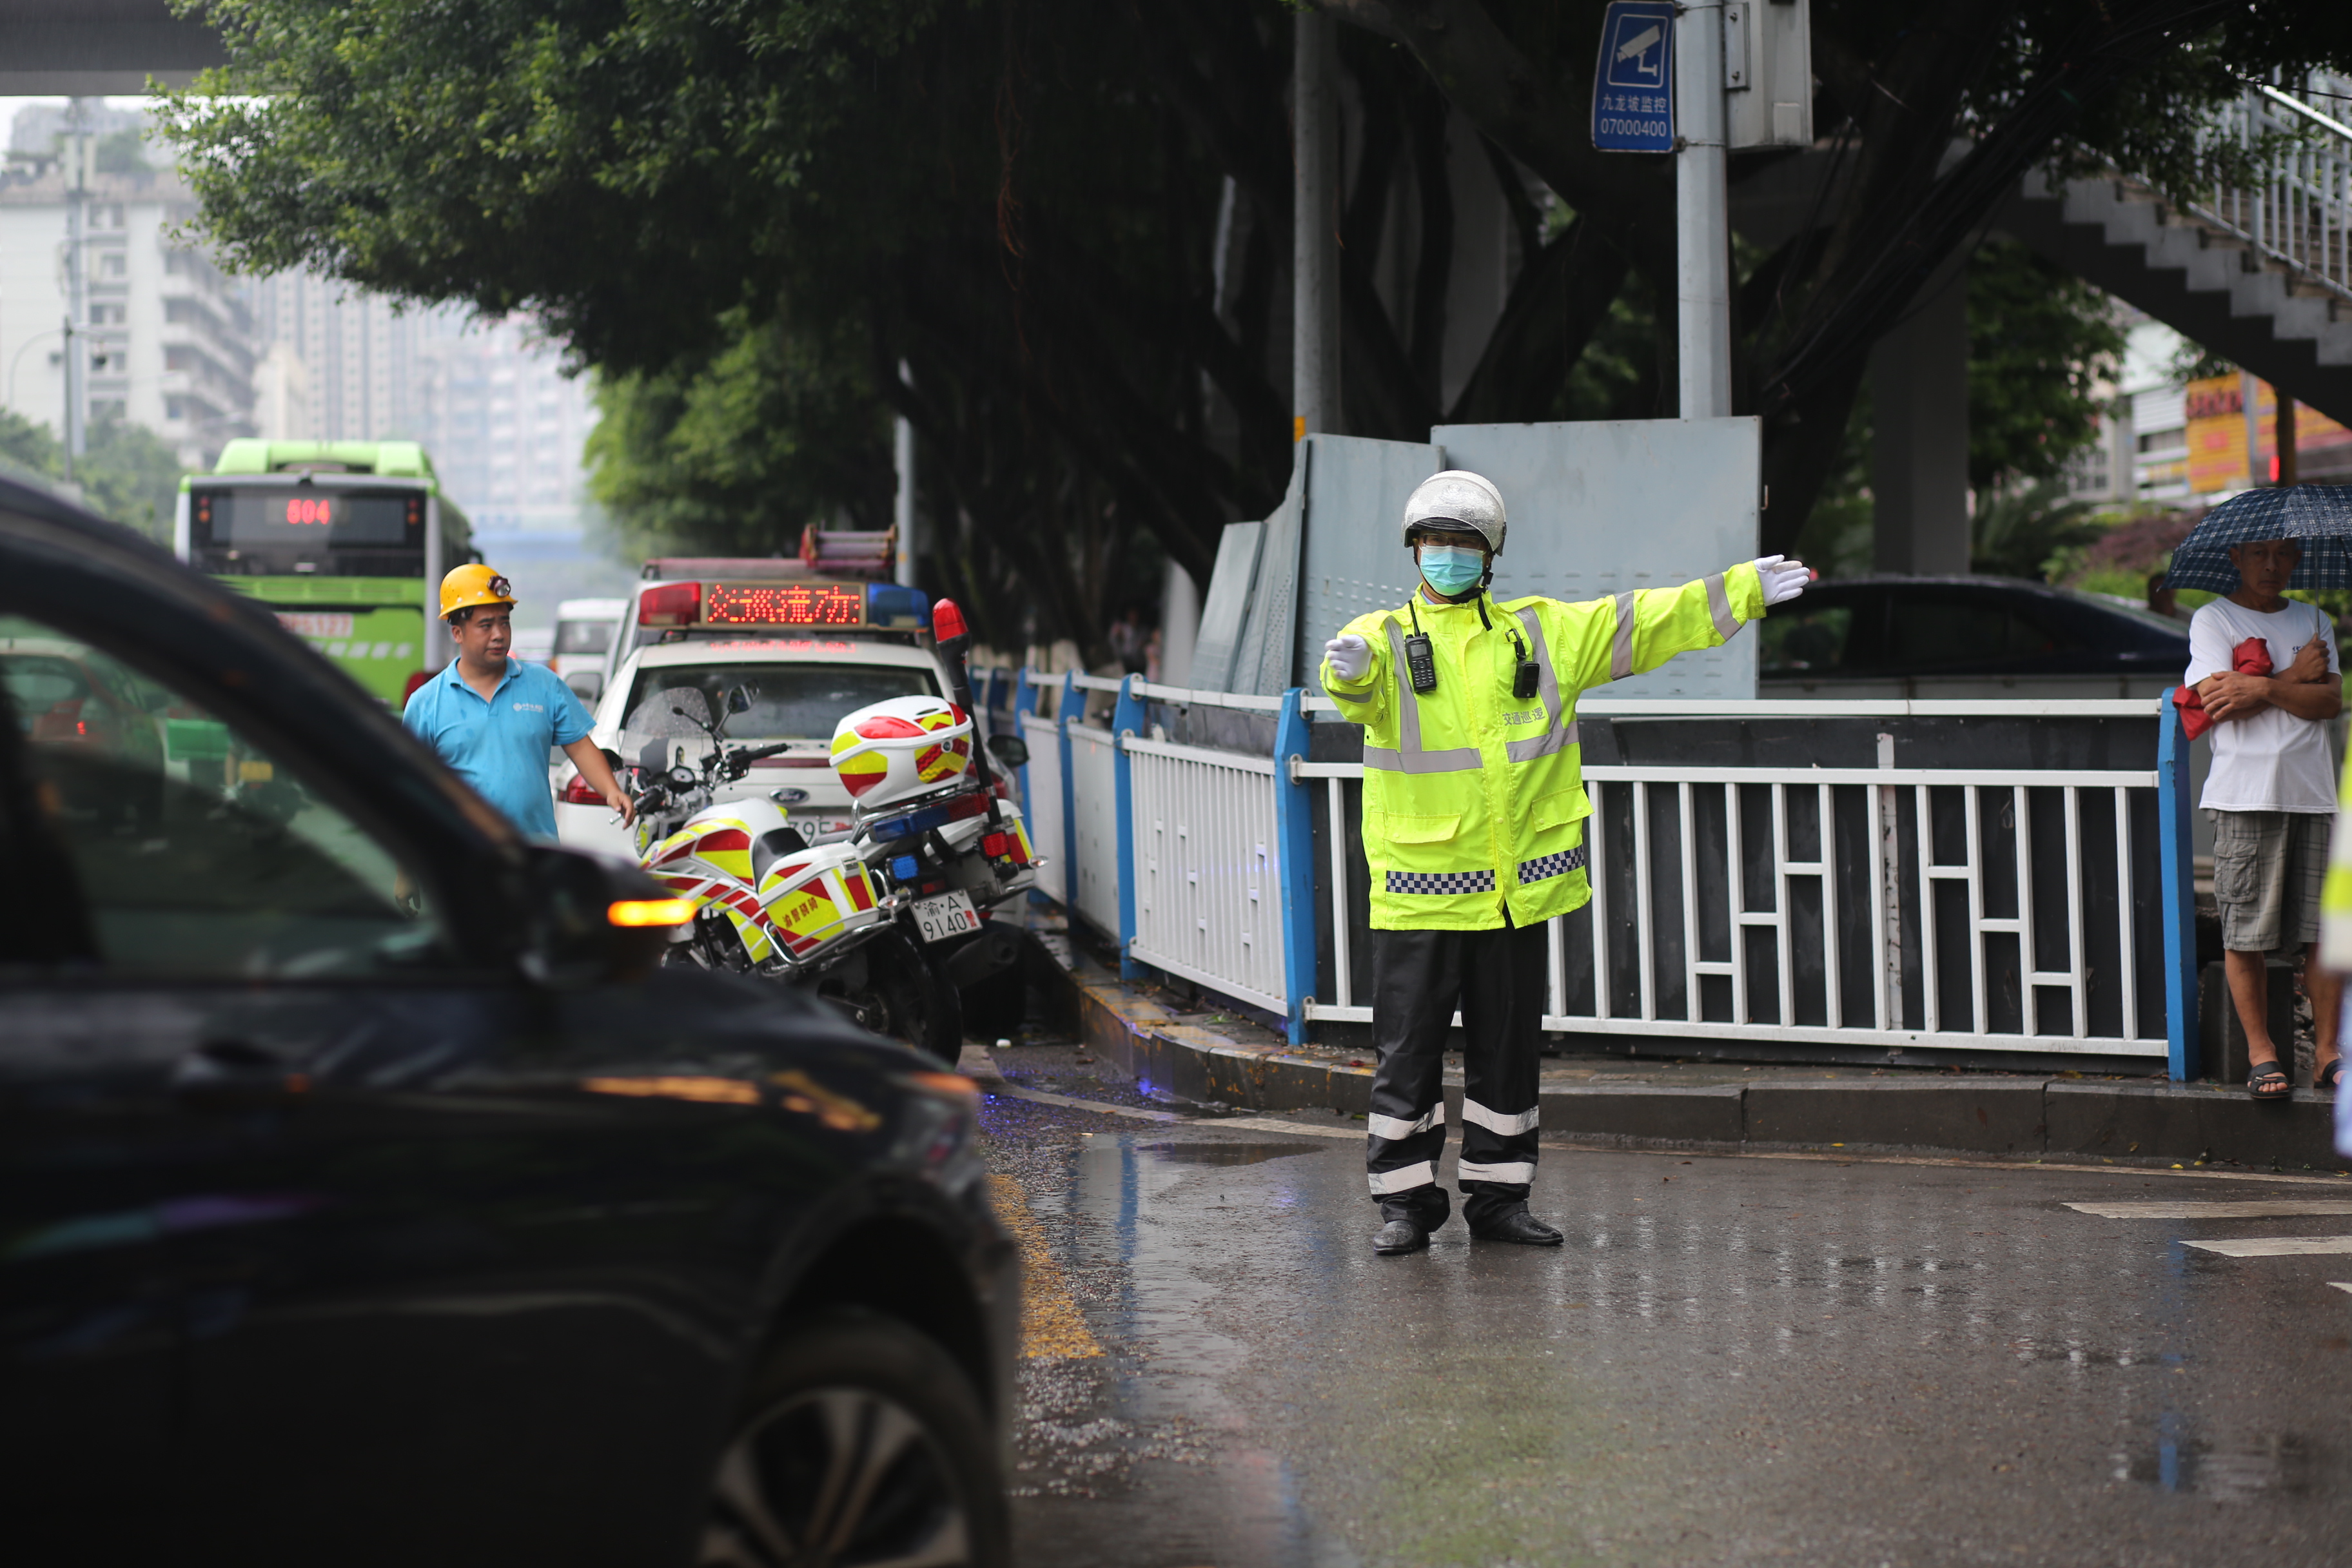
x: 492, y: 718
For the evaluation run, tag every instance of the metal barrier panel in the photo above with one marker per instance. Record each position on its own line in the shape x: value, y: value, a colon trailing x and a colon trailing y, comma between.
x: 1893, y: 906
x: 1042, y: 805
x: 1094, y: 803
x: 1208, y: 902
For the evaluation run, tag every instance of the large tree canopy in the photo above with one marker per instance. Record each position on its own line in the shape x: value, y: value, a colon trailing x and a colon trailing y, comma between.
x: 1070, y: 223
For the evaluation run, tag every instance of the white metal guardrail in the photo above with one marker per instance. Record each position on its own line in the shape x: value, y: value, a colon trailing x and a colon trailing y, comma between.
x: 1042, y: 807
x: 1206, y: 893
x: 1666, y: 868
x: 1972, y: 909
x: 1092, y: 798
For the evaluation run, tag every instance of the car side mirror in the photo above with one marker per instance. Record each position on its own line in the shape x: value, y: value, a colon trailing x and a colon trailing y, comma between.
x: 586, y: 684
x: 739, y: 700
x: 1010, y: 750
x: 592, y: 922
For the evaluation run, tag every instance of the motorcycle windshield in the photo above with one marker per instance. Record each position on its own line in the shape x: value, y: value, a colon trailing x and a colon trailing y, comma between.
x: 788, y: 701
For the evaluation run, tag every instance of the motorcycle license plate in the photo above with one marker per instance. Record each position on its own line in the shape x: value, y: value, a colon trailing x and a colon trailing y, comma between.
x: 949, y: 914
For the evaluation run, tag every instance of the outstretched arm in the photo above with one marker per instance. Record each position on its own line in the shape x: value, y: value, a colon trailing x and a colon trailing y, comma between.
x: 1650, y: 627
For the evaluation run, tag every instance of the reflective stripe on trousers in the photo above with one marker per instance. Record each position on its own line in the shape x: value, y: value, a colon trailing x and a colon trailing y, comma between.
x: 1496, y: 978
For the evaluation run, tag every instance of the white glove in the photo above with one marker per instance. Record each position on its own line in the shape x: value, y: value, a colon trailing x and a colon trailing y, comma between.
x: 1350, y: 658
x: 1783, y: 579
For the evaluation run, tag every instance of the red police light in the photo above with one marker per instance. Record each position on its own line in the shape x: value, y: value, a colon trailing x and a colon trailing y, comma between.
x: 947, y: 621
x: 670, y: 605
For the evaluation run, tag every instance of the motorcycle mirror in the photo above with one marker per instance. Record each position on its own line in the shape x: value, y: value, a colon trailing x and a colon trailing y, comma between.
x: 739, y: 700
x: 1010, y: 750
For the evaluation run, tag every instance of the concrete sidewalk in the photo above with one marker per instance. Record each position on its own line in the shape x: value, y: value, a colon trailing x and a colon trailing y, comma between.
x: 1226, y: 1058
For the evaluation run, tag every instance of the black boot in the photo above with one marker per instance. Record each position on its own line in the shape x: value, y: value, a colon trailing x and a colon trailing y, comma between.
x: 1409, y: 1217
x: 1515, y: 1224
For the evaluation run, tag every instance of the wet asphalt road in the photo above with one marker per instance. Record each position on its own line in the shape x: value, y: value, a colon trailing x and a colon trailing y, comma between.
x: 1732, y: 1360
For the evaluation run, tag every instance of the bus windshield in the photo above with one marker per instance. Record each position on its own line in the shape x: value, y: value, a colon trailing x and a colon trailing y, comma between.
x: 328, y: 517
x: 314, y: 529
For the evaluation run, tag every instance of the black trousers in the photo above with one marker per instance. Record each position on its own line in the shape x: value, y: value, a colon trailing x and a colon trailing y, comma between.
x: 1419, y: 977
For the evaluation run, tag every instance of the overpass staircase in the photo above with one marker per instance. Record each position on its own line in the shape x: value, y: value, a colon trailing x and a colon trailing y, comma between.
x: 2260, y: 273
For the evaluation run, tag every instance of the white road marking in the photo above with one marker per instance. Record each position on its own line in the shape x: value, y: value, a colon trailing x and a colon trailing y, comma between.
x: 2264, y: 1208
x: 2277, y: 1246
x: 2340, y: 1284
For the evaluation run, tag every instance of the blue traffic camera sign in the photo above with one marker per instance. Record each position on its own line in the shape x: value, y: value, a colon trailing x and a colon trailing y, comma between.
x: 1633, y: 86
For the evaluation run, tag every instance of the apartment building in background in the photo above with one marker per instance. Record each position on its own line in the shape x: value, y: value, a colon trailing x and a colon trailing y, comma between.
x: 168, y: 336
x: 504, y: 425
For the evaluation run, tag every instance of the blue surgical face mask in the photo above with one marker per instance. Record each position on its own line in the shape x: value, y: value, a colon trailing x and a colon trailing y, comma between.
x: 1452, y: 569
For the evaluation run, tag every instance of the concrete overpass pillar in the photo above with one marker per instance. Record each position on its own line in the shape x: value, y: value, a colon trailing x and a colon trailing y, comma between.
x: 1919, y: 458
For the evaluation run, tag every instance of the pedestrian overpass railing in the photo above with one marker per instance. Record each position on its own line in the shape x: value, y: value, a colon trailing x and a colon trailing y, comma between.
x: 2298, y: 212
x: 2041, y: 911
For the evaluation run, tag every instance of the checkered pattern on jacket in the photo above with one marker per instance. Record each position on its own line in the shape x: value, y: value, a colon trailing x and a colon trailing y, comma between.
x: 1559, y: 865
x: 1441, y: 882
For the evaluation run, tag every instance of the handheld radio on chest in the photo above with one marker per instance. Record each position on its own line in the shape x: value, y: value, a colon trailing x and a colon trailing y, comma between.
x: 1420, y: 663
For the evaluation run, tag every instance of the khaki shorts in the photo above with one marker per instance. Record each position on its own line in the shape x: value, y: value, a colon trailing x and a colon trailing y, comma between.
x: 2267, y: 870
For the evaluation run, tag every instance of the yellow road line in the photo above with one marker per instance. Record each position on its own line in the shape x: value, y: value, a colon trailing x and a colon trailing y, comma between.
x: 1051, y: 1323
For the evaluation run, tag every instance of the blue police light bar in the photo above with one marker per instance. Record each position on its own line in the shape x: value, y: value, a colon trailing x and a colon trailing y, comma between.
x: 896, y: 608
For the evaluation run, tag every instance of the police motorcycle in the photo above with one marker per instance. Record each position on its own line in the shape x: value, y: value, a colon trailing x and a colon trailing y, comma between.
x: 770, y: 903
x: 933, y: 827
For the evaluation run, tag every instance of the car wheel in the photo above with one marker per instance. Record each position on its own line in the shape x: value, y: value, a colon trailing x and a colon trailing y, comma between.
x: 862, y: 1443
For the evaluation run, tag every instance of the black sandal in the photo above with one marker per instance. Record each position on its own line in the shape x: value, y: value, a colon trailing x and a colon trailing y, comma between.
x: 2329, y: 1076
x: 2265, y: 1081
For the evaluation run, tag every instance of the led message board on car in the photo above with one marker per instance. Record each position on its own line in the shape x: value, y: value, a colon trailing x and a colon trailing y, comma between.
x: 785, y: 605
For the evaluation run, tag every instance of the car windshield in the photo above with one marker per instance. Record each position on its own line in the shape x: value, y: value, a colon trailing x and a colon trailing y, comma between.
x: 789, y: 702
x: 584, y: 637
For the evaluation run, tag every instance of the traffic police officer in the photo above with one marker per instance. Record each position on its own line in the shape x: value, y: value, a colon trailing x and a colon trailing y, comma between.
x: 1472, y: 824
x: 492, y: 718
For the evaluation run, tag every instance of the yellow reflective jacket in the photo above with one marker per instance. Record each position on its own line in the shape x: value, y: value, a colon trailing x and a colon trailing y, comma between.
x: 2336, y: 893
x: 1474, y: 799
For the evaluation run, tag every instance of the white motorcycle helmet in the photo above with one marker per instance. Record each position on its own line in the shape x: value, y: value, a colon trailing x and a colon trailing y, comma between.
x: 899, y: 749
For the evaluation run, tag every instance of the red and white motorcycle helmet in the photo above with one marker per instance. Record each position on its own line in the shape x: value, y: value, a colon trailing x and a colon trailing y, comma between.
x: 899, y: 749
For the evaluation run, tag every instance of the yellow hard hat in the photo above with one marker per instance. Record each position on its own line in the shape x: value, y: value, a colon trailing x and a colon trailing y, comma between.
x: 473, y: 584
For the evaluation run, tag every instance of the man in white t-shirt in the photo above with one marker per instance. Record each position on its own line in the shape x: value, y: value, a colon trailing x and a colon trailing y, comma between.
x: 2270, y: 794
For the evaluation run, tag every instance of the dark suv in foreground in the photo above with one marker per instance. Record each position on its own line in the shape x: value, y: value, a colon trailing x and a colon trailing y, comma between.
x: 367, y: 1195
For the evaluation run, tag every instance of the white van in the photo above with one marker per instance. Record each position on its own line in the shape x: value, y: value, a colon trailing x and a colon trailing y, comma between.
x: 584, y: 630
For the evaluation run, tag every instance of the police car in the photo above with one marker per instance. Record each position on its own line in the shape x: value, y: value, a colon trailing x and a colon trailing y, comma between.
x: 805, y: 647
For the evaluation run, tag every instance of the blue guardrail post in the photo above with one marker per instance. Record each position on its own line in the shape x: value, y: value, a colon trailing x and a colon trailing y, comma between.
x: 1069, y: 796
x: 2174, y: 852
x: 1294, y: 853
x: 1126, y: 719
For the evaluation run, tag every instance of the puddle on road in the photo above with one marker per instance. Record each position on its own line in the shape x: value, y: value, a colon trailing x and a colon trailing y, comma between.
x: 2255, y: 1470
x: 1221, y: 1153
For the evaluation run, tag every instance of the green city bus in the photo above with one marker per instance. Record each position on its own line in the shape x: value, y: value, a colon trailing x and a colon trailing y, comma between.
x: 346, y: 540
